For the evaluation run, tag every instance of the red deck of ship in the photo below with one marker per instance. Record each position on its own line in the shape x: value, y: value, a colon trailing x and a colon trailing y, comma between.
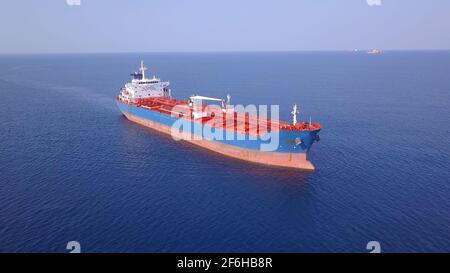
x: 237, y: 122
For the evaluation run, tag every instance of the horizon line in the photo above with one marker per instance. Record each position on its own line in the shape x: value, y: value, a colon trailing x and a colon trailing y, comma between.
x: 358, y: 50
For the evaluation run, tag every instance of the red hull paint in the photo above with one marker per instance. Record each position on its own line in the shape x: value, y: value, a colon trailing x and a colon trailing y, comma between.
x: 289, y: 160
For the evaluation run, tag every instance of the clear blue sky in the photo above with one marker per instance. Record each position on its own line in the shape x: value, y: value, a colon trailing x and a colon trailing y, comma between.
x: 52, y: 26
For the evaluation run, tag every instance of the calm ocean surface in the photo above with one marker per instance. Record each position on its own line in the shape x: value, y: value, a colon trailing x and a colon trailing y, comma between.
x: 73, y: 168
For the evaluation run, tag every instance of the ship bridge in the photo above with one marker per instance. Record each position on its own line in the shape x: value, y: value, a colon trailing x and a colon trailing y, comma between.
x: 142, y: 87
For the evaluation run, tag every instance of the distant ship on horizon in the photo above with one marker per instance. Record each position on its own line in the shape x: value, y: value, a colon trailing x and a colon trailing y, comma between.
x: 374, y: 51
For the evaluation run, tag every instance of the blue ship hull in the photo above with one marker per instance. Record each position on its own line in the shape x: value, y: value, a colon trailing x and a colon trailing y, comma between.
x: 292, y: 146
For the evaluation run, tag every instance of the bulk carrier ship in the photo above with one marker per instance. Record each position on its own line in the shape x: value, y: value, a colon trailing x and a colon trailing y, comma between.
x: 149, y: 102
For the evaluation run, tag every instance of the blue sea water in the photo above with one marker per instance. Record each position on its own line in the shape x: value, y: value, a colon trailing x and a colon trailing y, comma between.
x: 73, y: 168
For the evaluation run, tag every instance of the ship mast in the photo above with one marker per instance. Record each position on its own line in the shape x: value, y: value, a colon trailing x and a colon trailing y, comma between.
x: 228, y: 99
x: 142, y: 69
x: 294, y: 114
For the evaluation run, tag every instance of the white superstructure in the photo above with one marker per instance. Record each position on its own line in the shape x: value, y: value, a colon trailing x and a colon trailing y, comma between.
x: 141, y: 87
